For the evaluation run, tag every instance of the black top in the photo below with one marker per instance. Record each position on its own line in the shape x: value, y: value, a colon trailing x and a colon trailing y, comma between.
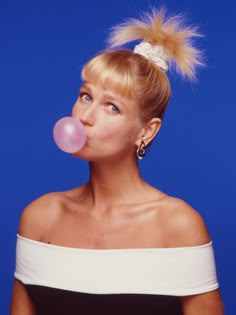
x: 50, y: 301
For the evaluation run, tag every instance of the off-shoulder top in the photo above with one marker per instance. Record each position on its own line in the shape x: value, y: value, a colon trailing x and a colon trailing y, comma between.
x: 146, y: 281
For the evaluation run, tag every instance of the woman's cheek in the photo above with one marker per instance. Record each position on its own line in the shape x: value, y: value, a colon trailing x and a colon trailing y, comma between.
x: 74, y: 112
x: 111, y: 129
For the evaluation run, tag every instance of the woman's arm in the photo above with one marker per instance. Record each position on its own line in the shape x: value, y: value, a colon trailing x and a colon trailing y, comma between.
x: 21, y: 303
x: 184, y: 227
x: 209, y: 303
x: 36, y: 217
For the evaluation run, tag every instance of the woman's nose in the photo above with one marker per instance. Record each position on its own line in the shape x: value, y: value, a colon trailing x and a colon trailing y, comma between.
x: 87, y: 117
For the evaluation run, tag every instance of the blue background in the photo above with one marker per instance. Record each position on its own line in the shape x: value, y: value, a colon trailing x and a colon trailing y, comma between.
x: 43, y: 45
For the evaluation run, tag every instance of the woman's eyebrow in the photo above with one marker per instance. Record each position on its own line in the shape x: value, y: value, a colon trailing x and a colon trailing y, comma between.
x: 85, y: 86
x: 114, y: 98
x: 111, y: 97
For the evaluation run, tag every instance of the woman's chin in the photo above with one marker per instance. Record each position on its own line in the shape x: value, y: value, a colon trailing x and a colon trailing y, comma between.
x: 80, y: 154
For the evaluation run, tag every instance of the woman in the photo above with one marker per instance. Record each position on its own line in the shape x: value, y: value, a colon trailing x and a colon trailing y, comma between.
x: 117, y: 245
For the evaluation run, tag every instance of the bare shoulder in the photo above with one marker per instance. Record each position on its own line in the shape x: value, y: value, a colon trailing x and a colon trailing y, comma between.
x: 182, y: 225
x: 40, y: 214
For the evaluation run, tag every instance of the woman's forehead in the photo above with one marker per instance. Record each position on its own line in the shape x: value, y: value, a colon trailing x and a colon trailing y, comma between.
x: 110, y: 78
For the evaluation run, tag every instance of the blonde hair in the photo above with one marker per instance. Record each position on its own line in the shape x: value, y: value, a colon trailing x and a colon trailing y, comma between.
x: 134, y: 75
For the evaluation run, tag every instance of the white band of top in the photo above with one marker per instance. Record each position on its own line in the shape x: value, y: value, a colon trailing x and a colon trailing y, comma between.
x: 166, y: 271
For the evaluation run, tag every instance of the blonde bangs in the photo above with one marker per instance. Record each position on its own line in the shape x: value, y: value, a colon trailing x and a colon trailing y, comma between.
x: 111, y: 73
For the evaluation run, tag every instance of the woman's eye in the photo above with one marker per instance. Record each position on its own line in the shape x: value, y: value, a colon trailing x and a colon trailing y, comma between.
x: 85, y: 97
x: 113, y: 108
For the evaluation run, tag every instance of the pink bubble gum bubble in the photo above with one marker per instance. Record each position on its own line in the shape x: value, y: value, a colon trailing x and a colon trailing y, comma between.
x: 69, y: 134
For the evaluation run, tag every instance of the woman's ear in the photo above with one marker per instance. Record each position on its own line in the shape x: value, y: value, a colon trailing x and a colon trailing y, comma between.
x: 149, y: 131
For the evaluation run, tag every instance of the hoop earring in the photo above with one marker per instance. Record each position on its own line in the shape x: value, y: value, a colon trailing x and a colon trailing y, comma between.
x: 141, y: 152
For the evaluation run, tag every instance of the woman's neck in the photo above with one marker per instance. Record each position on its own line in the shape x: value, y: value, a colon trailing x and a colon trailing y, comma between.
x: 114, y: 183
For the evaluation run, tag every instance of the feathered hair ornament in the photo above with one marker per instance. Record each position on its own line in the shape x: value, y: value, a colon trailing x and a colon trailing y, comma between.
x: 166, y: 41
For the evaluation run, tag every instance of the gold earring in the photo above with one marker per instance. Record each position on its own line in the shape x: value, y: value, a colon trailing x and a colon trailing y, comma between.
x: 141, y: 152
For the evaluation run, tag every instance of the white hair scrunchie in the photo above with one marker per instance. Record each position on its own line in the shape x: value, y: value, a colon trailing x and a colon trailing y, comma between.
x: 153, y: 53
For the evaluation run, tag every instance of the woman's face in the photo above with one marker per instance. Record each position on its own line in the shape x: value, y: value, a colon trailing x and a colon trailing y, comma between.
x: 112, y: 122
